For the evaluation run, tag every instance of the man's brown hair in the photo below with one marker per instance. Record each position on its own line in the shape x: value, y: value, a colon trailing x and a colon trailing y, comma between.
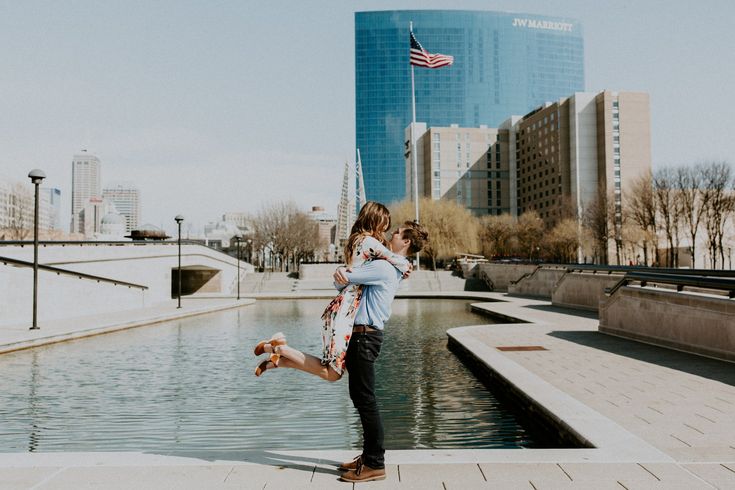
x: 417, y: 234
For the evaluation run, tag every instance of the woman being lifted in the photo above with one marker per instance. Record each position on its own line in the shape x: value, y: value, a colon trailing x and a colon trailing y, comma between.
x: 366, y: 242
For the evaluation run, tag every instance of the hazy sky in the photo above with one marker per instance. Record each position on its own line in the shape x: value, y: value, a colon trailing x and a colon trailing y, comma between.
x: 213, y: 106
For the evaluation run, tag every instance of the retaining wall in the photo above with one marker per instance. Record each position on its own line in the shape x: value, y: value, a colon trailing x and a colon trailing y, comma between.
x: 583, y: 290
x: 501, y: 275
x: 539, y: 284
x: 701, y: 324
x: 60, y: 296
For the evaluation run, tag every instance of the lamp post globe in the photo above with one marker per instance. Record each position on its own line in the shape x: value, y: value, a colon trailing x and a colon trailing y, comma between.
x: 36, y: 176
x: 178, y: 220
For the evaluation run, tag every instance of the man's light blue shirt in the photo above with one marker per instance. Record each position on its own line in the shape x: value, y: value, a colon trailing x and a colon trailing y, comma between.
x: 381, y: 280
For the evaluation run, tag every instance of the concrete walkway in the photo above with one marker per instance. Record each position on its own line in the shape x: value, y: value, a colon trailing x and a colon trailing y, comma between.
x: 656, y: 418
x: 17, y: 337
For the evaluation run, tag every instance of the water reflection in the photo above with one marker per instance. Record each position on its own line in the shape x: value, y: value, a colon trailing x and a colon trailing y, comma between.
x: 186, y: 387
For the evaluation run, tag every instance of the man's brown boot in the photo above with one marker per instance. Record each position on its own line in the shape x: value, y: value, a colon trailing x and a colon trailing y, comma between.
x: 351, y: 465
x: 363, y: 473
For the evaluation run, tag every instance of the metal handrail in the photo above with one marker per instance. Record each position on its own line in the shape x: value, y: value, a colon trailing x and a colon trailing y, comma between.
x: 80, y: 275
x: 642, y: 269
x: 680, y: 281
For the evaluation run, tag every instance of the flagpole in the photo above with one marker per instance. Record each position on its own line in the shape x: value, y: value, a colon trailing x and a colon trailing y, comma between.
x: 414, y: 163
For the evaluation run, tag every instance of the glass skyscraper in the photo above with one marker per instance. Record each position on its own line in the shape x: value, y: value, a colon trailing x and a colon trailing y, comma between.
x: 504, y: 64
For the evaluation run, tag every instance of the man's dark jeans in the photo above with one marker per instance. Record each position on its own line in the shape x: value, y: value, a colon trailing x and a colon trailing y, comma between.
x: 362, y: 352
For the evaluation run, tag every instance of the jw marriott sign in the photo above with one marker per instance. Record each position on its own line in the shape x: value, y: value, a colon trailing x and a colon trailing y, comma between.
x: 542, y: 24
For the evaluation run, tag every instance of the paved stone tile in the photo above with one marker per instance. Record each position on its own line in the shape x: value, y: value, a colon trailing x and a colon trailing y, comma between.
x: 467, y: 475
x: 719, y: 475
x: 327, y: 476
x: 612, y: 471
x: 570, y: 485
x: 24, y: 478
x: 668, y: 476
x: 523, y: 471
x: 266, y: 476
x: 139, y: 477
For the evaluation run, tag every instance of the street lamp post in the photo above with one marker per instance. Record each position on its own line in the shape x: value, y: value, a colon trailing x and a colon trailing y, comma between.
x: 237, y: 240
x: 36, y: 177
x: 178, y: 220
x: 273, y: 247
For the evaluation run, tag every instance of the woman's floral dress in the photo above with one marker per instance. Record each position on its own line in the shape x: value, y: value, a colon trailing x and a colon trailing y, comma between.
x: 339, y: 316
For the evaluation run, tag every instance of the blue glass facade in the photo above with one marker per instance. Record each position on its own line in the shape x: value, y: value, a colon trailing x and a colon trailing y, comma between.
x: 504, y: 64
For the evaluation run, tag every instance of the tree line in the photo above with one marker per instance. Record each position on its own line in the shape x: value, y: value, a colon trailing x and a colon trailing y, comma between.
x: 285, y: 234
x: 676, y: 203
x: 659, y: 212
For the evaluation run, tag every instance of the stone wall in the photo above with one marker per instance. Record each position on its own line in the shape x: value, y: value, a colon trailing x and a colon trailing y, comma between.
x: 500, y: 275
x: 702, y: 324
x: 583, y: 290
x: 539, y: 284
x: 310, y: 272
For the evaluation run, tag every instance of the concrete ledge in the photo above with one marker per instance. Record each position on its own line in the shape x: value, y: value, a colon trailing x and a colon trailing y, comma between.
x: 103, y: 326
x: 582, y: 290
x: 575, y: 421
x: 539, y: 284
x: 690, y: 322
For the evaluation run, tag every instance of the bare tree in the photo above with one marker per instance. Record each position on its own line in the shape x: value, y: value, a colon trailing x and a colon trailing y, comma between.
x: 689, y: 183
x: 20, y: 212
x: 668, y: 209
x: 596, y: 219
x: 641, y: 209
x: 720, y: 204
x: 562, y: 241
x: 497, y: 235
x: 529, y: 231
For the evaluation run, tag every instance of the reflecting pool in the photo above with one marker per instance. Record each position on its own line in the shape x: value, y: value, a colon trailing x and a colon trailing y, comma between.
x: 187, y: 387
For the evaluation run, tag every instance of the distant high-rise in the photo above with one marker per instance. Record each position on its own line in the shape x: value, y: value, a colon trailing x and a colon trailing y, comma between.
x: 51, y: 201
x: 85, y: 184
x: 504, y: 63
x: 126, y: 199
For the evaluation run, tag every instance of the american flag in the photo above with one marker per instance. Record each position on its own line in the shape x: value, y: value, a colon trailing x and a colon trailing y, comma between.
x: 421, y: 57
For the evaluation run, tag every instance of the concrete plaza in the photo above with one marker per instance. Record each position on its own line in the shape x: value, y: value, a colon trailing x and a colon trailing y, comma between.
x: 657, y: 418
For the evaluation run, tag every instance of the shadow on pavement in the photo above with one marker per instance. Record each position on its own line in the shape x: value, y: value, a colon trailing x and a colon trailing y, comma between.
x: 269, y: 458
x: 713, y: 369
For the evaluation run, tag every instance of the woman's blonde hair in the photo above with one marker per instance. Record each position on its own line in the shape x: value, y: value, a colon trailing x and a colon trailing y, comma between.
x: 373, y: 220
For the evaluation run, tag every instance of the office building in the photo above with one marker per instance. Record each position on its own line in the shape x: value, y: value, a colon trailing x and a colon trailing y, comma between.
x: 85, y: 184
x: 17, y: 207
x: 239, y: 219
x: 50, y: 199
x: 504, y: 63
x: 126, y: 198
x: 556, y: 160
x: 455, y: 164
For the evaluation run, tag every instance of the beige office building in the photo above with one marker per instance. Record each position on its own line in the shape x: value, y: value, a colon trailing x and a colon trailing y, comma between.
x: 554, y: 160
x: 455, y: 163
x: 85, y: 184
x: 125, y: 196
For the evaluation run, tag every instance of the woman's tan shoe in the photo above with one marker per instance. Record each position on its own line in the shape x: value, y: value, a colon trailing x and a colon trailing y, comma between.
x: 264, y: 366
x: 276, y: 340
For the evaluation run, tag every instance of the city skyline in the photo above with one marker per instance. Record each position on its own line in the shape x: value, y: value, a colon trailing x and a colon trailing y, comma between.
x: 184, y: 98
